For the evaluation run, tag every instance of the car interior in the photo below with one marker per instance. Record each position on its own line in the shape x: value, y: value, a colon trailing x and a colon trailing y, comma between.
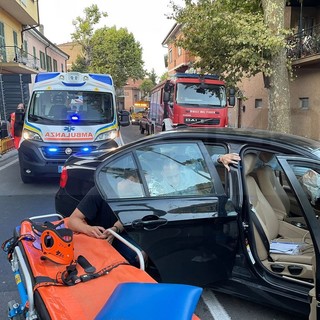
x: 284, y: 246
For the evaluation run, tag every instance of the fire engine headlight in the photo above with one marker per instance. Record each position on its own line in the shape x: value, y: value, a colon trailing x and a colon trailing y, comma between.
x: 109, y: 135
x: 30, y: 135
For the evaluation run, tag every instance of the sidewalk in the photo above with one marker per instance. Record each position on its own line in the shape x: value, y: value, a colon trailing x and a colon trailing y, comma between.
x: 8, y: 155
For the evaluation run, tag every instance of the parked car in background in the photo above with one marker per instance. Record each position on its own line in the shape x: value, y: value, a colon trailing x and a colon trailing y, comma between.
x: 252, y: 232
x: 145, y: 123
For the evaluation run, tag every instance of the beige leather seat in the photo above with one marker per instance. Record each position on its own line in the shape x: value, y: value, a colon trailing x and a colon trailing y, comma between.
x: 271, y: 187
x: 298, y: 265
x: 274, y: 192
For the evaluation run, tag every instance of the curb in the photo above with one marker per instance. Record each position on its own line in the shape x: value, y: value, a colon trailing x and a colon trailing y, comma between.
x: 8, y: 155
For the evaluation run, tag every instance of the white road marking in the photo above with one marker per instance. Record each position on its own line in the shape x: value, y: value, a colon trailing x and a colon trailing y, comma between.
x: 9, y: 164
x: 216, y: 309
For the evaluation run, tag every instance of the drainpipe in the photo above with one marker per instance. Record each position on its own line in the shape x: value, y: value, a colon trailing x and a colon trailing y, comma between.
x: 300, y: 26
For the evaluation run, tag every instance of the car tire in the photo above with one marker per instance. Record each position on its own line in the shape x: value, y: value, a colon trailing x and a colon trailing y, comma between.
x: 25, y: 179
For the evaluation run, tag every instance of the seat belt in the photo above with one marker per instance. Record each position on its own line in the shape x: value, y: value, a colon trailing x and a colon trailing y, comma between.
x: 261, y: 232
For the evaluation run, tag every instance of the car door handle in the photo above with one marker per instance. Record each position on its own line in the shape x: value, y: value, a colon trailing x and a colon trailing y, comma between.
x: 150, y: 222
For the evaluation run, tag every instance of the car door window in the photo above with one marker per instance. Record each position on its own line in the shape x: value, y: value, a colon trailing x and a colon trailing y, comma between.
x: 121, y: 178
x: 308, y: 176
x: 175, y: 169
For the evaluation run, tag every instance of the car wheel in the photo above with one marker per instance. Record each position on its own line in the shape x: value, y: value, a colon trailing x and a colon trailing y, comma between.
x: 25, y: 179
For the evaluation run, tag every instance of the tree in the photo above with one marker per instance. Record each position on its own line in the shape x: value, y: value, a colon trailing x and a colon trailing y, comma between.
x: 237, y: 39
x: 84, y: 31
x: 152, y: 76
x: 146, y: 87
x: 79, y: 65
x: 116, y: 52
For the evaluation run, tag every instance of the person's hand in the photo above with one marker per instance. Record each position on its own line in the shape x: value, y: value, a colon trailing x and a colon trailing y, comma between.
x: 96, y: 232
x: 229, y: 158
x: 108, y: 236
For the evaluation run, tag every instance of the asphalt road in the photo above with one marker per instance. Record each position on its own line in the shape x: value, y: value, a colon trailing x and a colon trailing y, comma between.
x: 19, y: 201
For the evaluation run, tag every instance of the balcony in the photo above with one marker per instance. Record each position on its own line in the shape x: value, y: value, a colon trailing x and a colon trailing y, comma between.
x: 14, y: 60
x: 26, y: 12
x: 304, y: 47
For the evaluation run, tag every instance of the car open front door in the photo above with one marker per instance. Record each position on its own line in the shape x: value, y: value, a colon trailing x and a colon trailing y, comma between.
x: 170, y: 199
x: 304, y: 177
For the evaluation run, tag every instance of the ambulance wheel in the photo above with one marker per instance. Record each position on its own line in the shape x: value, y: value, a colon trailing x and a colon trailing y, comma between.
x: 25, y: 179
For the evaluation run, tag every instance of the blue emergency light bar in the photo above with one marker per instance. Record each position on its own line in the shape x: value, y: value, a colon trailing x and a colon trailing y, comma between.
x: 74, y: 80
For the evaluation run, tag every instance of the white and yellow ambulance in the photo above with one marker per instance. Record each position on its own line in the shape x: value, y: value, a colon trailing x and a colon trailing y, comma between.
x: 67, y: 113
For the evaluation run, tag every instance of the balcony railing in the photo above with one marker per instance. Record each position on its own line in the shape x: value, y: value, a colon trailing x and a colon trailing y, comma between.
x: 305, y: 43
x: 13, y: 54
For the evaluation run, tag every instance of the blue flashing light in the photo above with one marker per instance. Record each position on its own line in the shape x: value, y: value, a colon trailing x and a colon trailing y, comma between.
x: 75, y: 117
x: 52, y: 149
x: 105, y: 78
x: 85, y: 149
x: 45, y: 76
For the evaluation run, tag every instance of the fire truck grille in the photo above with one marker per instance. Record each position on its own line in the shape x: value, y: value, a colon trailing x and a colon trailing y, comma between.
x: 202, y: 121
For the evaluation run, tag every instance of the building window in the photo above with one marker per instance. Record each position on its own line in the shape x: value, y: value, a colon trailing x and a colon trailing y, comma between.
x: 304, y: 103
x: 16, y: 48
x: 42, y: 60
x: 55, y: 65
x: 34, y: 56
x: 258, y: 103
x: 3, y: 54
x: 62, y: 67
x: 49, y: 63
x: 170, y: 55
x: 179, y: 51
x: 25, y: 50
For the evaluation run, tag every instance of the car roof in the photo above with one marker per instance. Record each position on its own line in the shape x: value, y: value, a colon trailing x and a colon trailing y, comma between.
x: 241, y: 136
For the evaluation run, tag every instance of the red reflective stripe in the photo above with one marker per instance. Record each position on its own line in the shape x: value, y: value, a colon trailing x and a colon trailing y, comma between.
x: 12, y: 120
x: 63, y: 177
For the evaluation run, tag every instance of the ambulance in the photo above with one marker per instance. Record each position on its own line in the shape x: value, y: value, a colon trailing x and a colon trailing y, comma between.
x: 68, y: 113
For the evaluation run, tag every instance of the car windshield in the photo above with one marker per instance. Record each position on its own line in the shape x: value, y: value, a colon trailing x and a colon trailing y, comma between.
x: 201, y: 94
x: 56, y: 106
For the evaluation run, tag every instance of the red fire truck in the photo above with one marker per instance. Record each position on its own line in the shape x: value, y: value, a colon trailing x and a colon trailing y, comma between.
x: 190, y: 99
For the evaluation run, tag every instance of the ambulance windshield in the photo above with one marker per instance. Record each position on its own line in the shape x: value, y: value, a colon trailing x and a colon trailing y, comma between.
x: 64, y: 107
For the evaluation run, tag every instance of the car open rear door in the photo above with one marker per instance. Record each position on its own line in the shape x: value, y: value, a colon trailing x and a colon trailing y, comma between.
x: 189, y: 230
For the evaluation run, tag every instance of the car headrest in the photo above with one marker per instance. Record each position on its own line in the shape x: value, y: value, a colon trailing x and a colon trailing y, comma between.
x: 249, y: 160
x: 265, y: 156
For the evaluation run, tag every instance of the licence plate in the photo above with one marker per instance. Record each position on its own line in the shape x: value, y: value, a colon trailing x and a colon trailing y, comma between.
x: 60, y: 169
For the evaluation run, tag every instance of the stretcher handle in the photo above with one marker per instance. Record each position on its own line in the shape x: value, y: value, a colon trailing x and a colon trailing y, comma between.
x: 132, y: 247
x: 49, y: 215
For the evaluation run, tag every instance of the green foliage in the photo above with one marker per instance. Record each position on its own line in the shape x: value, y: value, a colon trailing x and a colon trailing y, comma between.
x: 79, y: 65
x: 152, y: 76
x: 85, y: 28
x: 230, y: 37
x: 116, y: 52
x: 146, y: 86
x: 165, y: 76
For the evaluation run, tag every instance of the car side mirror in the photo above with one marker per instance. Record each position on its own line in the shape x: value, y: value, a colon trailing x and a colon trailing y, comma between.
x: 124, y: 118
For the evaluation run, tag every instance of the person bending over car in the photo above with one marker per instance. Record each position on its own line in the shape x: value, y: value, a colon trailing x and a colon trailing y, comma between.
x: 94, y: 217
